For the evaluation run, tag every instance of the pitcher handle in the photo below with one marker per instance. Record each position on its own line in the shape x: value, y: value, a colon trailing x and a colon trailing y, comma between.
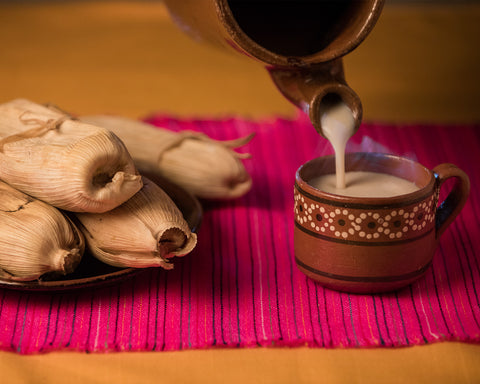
x: 452, y: 205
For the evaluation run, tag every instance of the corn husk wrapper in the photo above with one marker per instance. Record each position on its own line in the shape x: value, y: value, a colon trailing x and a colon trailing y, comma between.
x: 143, y: 232
x: 205, y: 167
x: 35, y: 238
x: 69, y: 164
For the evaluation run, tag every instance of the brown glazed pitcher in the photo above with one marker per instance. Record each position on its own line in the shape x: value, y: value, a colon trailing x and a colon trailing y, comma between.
x: 301, y: 42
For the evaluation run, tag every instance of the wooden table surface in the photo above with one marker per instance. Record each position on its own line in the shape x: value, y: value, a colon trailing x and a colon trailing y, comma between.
x: 420, y: 64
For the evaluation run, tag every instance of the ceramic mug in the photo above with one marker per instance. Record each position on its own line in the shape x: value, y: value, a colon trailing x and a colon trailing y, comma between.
x: 300, y: 43
x: 365, y: 244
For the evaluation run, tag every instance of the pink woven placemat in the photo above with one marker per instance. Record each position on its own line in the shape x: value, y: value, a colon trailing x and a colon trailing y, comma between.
x: 241, y: 288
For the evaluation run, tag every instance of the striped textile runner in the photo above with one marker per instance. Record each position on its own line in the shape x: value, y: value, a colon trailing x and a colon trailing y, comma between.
x: 240, y: 287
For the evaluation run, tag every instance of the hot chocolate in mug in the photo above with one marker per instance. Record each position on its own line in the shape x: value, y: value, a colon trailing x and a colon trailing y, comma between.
x: 301, y: 43
x: 372, y: 244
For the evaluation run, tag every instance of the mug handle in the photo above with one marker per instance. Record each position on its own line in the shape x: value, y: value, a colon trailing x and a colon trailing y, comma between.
x: 452, y: 205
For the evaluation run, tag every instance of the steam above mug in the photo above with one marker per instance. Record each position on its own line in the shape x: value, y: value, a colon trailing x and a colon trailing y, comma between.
x: 301, y: 43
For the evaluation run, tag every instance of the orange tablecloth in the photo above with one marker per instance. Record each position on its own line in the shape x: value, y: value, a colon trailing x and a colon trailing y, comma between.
x: 419, y: 64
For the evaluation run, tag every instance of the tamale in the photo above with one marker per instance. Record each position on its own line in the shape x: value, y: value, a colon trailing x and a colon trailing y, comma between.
x: 67, y: 163
x: 35, y: 238
x: 205, y: 167
x: 145, y: 231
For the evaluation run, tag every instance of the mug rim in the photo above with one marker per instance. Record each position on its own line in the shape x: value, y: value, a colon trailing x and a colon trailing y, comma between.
x: 341, y: 200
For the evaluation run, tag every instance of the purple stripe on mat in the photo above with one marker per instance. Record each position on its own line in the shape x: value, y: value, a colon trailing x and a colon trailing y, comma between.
x: 241, y: 287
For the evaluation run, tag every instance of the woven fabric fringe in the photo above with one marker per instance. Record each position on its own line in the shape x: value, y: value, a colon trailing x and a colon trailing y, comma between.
x: 241, y: 288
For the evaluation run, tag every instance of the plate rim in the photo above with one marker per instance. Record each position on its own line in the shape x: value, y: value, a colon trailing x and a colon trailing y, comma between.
x: 113, y: 277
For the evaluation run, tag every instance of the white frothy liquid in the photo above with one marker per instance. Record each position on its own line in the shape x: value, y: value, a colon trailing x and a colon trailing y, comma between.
x: 338, y: 125
x: 365, y: 184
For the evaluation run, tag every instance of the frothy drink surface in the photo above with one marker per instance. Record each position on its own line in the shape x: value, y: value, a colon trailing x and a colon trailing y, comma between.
x: 365, y: 184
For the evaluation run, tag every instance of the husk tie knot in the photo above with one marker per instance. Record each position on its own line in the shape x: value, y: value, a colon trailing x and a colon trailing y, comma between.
x: 43, y: 126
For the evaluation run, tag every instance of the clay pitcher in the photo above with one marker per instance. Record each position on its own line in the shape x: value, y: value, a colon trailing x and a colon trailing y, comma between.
x: 301, y: 43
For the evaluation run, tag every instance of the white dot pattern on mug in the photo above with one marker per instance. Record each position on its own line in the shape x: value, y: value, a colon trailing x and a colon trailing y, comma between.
x: 364, y: 224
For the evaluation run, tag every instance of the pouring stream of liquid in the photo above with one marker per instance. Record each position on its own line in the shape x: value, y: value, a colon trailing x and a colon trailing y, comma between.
x: 338, y: 126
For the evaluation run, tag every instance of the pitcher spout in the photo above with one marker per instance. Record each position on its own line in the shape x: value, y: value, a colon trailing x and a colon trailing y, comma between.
x: 315, y: 88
